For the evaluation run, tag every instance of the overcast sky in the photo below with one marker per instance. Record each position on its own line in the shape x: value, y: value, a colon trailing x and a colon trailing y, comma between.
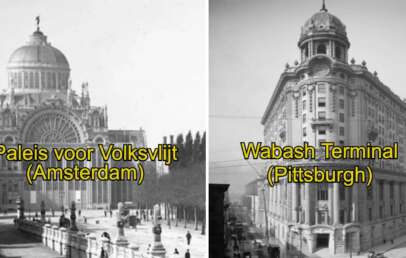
x: 147, y: 60
x: 250, y: 43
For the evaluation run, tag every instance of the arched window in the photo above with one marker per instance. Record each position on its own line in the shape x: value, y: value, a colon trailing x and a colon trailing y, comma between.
x: 20, y: 80
x: 49, y: 81
x: 338, y: 52
x: 53, y: 80
x: 8, y: 139
x: 321, y: 49
x: 43, y: 80
x: 36, y: 80
x: 31, y: 83
x: 26, y: 80
x: 306, y: 50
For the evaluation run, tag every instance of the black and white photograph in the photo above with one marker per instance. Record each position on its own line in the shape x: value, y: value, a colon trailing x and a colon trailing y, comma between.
x: 104, y: 73
x: 294, y: 72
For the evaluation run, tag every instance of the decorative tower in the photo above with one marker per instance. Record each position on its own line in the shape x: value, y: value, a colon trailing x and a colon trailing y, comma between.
x: 324, y: 34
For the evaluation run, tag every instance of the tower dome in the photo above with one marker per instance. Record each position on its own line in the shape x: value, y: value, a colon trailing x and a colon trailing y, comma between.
x: 324, y: 33
x: 323, y: 23
x: 38, y: 66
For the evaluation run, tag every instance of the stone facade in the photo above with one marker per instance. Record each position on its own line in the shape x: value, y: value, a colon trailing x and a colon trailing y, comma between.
x: 326, y: 98
x: 39, y: 107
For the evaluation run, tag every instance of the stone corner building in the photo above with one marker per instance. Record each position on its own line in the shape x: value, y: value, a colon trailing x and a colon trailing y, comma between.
x: 40, y: 107
x: 325, y: 97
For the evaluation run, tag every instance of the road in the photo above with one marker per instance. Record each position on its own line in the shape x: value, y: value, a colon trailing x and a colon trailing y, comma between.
x: 15, y: 244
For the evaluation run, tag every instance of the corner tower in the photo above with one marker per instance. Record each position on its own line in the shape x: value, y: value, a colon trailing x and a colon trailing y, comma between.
x: 324, y: 98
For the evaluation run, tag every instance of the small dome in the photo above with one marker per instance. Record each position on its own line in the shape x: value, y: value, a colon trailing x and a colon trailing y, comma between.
x: 38, y: 53
x: 323, y: 22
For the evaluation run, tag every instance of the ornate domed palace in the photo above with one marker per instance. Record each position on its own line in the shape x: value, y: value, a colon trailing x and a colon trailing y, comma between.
x: 326, y: 97
x: 39, y: 107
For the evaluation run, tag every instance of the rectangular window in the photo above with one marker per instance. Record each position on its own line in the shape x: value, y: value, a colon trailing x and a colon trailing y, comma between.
x: 322, y: 132
x: 296, y: 108
x: 341, y: 90
x: 341, y: 103
x: 341, y: 117
x: 381, y: 191
x: 341, y: 143
x: 370, y: 195
x: 304, y: 104
x: 341, y: 131
x: 342, y: 216
x: 322, y: 101
x: 342, y: 193
x: 322, y: 115
x: 304, y: 118
x: 391, y: 191
x: 304, y: 132
x: 321, y: 88
x: 322, y: 192
x: 370, y: 214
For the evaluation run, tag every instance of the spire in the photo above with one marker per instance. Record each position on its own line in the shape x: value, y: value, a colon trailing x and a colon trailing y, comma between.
x: 323, y: 8
x: 37, y: 19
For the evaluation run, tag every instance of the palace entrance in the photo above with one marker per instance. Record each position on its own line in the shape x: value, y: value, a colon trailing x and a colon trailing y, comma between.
x: 322, y: 240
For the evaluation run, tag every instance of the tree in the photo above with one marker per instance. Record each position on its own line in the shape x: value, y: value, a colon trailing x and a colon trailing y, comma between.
x: 188, y: 152
x: 203, y: 148
x: 197, y: 148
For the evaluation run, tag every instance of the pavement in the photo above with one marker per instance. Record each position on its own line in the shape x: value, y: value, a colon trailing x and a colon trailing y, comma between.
x: 142, y: 236
x: 15, y: 244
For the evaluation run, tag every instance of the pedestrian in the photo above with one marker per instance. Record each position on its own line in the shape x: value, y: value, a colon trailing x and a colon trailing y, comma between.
x: 111, y: 213
x: 188, y: 237
x: 176, y: 251
x: 105, y: 213
x: 187, y: 254
x: 79, y: 212
x: 85, y: 219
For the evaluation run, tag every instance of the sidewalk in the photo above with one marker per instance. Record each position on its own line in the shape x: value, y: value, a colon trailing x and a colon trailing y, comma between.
x: 395, y: 250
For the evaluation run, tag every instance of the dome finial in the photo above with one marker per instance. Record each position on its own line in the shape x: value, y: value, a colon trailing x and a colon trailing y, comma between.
x: 323, y: 8
x: 37, y: 19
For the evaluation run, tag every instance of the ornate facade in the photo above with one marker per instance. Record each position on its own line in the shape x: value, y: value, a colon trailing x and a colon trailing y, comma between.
x: 39, y: 107
x: 326, y: 98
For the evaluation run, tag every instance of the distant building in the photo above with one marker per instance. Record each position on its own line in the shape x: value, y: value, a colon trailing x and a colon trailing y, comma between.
x: 324, y: 97
x: 251, y: 201
x: 39, y: 107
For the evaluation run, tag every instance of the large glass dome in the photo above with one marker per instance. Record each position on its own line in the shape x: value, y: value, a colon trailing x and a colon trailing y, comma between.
x: 38, y: 66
